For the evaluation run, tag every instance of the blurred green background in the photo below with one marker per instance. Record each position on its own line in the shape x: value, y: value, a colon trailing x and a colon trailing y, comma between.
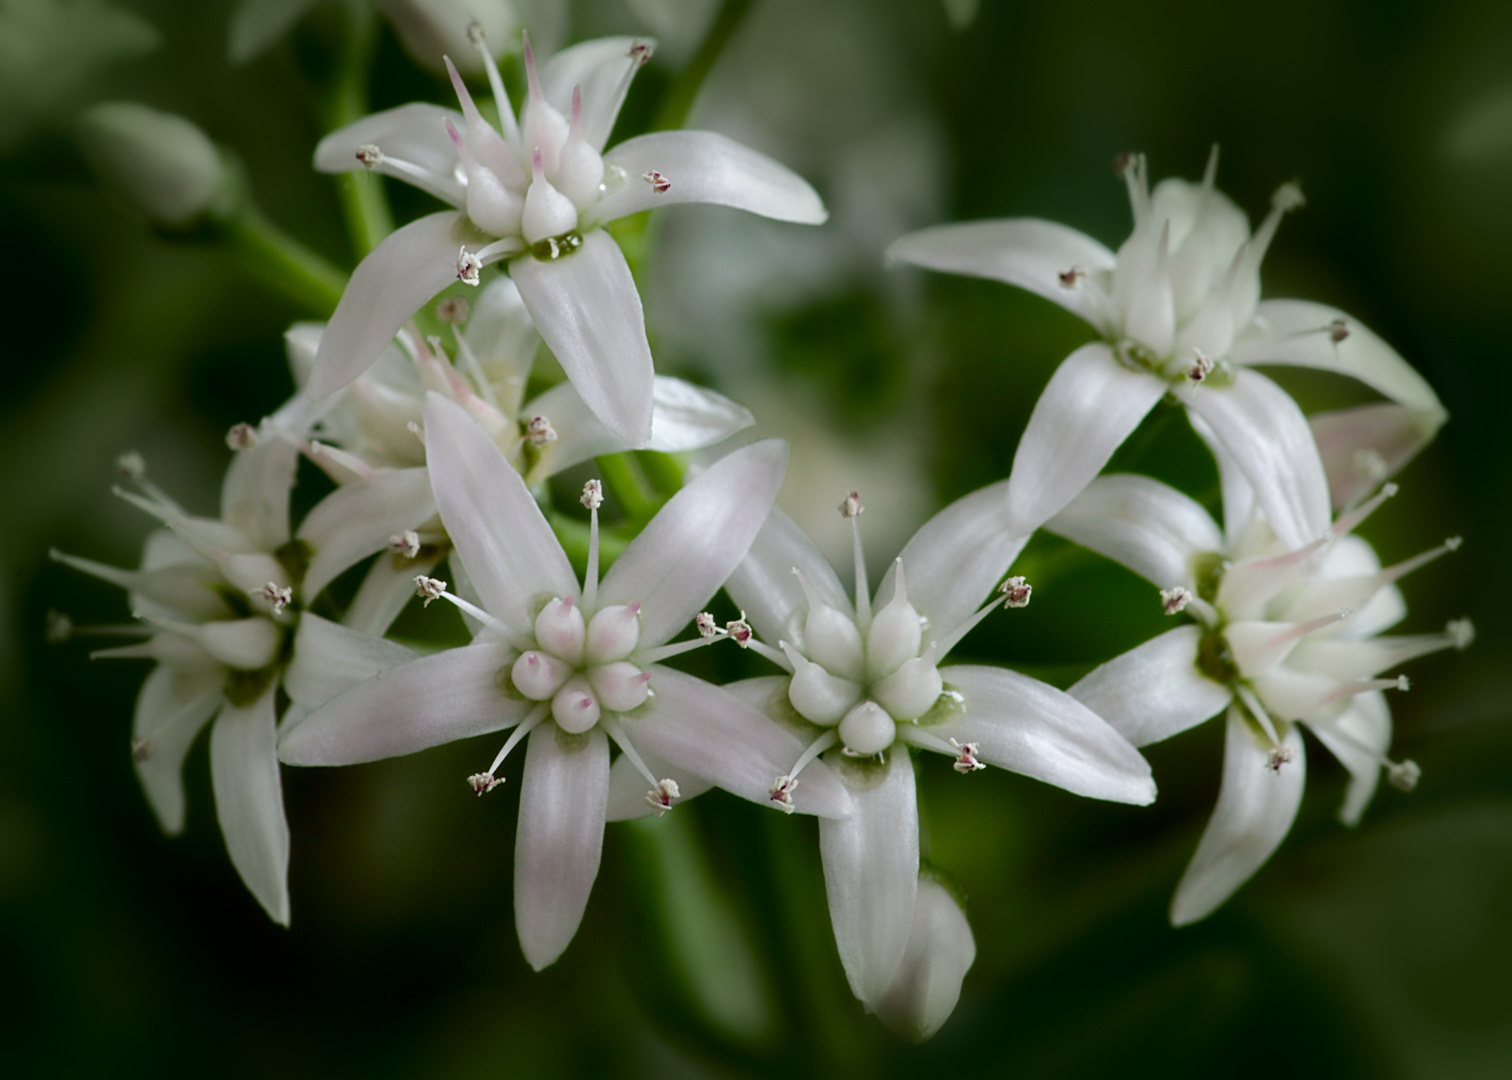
x: 1383, y: 951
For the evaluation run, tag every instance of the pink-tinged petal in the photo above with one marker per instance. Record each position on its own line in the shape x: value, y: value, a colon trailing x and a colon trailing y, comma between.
x: 1154, y: 691
x: 357, y: 519
x: 255, y: 493
x: 560, y: 837
x: 952, y: 563
x: 871, y: 875
x: 450, y: 695
x: 510, y: 552
x: 703, y: 730
x: 628, y: 788
x: 940, y: 951
x: 1266, y: 434
x: 1301, y: 333
x: 1032, y: 728
x: 170, y: 711
x: 696, y: 540
x: 1091, y: 405
x: 1150, y: 527
x: 1364, y: 445
x: 588, y: 312
x: 330, y: 659
x: 599, y: 67
x: 704, y: 167
x: 1364, y: 727
x: 765, y: 587
x: 387, y: 588
x: 249, y: 801
x: 414, y: 133
x: 1026, y: 252
x: 1256, y: 805
x: 412, y: 265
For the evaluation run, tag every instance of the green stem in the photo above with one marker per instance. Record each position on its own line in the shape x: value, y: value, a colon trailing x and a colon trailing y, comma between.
x: 364, y: 203
x: 678, y: 103
x: 283, y: 263
x: 628, y: 484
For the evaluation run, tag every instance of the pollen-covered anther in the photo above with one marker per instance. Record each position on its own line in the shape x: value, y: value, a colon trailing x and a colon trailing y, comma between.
x: 850, y: 506
x: 475, y: 33
x: 640, y: 51
x: 482, y: 783
x: 1403, y: 775
x: 469, y: 266
x: 141, y: 749
x: 966, y: 758
x: 369, y: 156
x: 706, y: 626
x: 661, y: 796
x: 1175, y: 599
x: 740, y: 631
x: 279, y: 596
x: 1073, y: 277
x: 1279, y: 756
x: 539, y: 431
x: 1338, y: 330
x: 1016, y: 592
x: 454, y: 309
x: 659, y: 183
x: 57, y: 628
x: 1289, y: 197
x: 429, y: 588
x: 1461, y: 633
x: 781, y: 793
x: 1200, y: 368
x: 241, y: 437
x: 593, y: 495
x: 131, y: 466
x: 406, y: 543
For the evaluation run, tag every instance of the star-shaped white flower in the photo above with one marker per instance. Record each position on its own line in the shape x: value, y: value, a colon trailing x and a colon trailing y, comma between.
x: 539, y: 195
x: 1178, y: 311
x: 570, y: 666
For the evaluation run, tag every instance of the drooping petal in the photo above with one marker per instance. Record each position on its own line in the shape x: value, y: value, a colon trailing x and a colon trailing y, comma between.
x: 599, y: 67
x: 940, y: 951
x: 387, y: 588
x: 357, y: 519
x: 1364, y: 445
x: 588, y: 312
x: 412, y: 265
x: 1256, y: 805
x: 413, y: 133
x: 1154, y: 691
x: 1358, y: 738
x: 1090, y: 406
x: 170, y: 711
x: 509, y: 550
x: 765, y: 587
x: 704, y: 167
x: 1032, y: 728
x: 560, y: 837
x: 696, y: 540
x: 1263, y: 429
x: 255, y: 492
x: 628, y: 788
x: 871, y: 876
x: 330, y: 659
x: 249, y: 800
x: 1150, y: 527
x: 436, y: 699
x: 1026, y: 252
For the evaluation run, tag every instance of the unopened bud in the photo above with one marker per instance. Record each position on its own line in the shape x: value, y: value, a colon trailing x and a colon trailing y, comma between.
x: 706, y: 625
x: 659, y: 183
x: 640, y: 51
x: 1279, y: 756
x: 1403, y: 776
x: 740, y: 631
x: 369, y: 156
x: 279, y: 596
x: 660, y: 797
x: 159, y: 163
x: 1338, y: 330
x: 781, y: 793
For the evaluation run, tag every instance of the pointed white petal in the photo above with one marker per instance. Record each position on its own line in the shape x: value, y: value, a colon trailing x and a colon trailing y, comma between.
x: 1154, y: 691
x: 170, y: 711
x: 1239, y: 508
x: 1263, y: 429
x: 255, y: 493
x: 1026, y: 252
x: 510, y: 552
x: 588, y: 312
x: 1150, y: 527
x: 705, y: 167
x: 599, y: 67
x: 1365, y: 724
x: 1032, y: 728
x: 560, y: 837
x: 628, y: 788
x: 1091, y: 405
x: 414, y: 133
x: 387, y: 588
x: 696, y: 540
x: 330, y: 659
x: 1364, y: 445
x: 765, y: 587
x: 412, y: 265
x: 249, y: 801
x: 1256, y: 805
x: 940, y: 952
x: 871, y: 876
x: 436, y: 699
x: 357, y: 519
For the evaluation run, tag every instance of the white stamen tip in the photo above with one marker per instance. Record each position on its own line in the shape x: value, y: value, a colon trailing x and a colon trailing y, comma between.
x: 482, y: 783
x: 659, y: 183
x: 1404, y: 776
x: 429, y: 588
x: 740, y: 631
x: 279, y: 596
x: 1016, y: 591
x: 141, y: 749
x: 706, y: 626
x: 1175, y: 599
x: 640, y: 51
x: 406, y: 543
x: 593, y: 495
x: 469, y: 266
x: 131, y: 465
x: 1403, y: 683
x: 540, y: 432
x: 966, y: 760
x: 370, y: 156
x: 454, y: 309
x: 1338, y: 330
x: 850, y: 506
x: 475, y: 33
x: 1289, y: 197
x: 1453, y: 543
x: 1124, y: 162
x: 1278, y: 757
x: 660, y: 797
x: 241, y: 437
x: 1073, y: 277
x: 58, y: 627
x: 1461, y: 633
x: 781, y: 793
x: 1200, y: 369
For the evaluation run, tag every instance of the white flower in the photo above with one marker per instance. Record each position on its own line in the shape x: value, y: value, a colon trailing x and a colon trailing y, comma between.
x: 571, y: 666
x: 538, y: 195
x: 1283, y: 635
x: 1178, y: 311
x: 865, y: 686
x: 940, y: 951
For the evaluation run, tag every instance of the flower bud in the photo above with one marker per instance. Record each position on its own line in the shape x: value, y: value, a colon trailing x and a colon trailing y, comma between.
x: 160, y: 164
x: 940, y: 951
x: 431, y: 29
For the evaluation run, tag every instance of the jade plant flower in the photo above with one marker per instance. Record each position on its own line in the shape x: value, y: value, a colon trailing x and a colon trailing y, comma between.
x: 538, y: 196
x: 1178, y: 311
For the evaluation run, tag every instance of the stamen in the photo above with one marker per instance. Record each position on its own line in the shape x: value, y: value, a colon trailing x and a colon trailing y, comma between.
x: 1461, y: 633
x: 592, y: 498
x: 704, y: 623
x: 966, y: 760
x: 850, y: 509
x: 1346, y: 523
x: 1072, y: 278
x: 525, y: 727
x: 278, y: 596
x: 241, y: 437
x: 429, y: 588
x: 1199, y: 370
x: 1175, y: 599
x: 1338, y: 331
x: 1016, y: 592
x: 660, y: 797
x: 406, y: 544
x: 468, y: 266
x: 1403, y: 776
x: 141, y: 749
x: 659, y: 183
x: 539, y: 432
x: 1279, y: 756
x: 131, y: 466
x: 482, y: 783
x: 370, y: 156
x: 453, y: 309
x: 781, y: 791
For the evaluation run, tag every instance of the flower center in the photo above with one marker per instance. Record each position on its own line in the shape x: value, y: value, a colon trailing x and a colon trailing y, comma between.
x: 581, y: 667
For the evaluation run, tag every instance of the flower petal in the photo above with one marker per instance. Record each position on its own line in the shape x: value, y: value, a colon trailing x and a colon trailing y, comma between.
x: 560, y: 837
x: 436, y: 699
x: 1256, y: 805
x: 330, y: 659
x: 1090, y: 406
x: 1263, y: 429
x: 1364, y: 445
x: 249, y: 801
x: 413, y: 133
x: 510, y: 552
x: 1026, y: 252
x: 940, y: 952
x: 1363, y: 727
x: 1154, y: 691
x: 871, y: 875
x: 170, y: 711
x: 255, y: 492
x: 588, y: 312
x: 705, y: 167
x: 765, y: 587
x: 599, y: 67
x: 357, y: 519
x: 1150, y: 527
x: 696, y: 540
x: 412, y: 265
x: 1032, y: 728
